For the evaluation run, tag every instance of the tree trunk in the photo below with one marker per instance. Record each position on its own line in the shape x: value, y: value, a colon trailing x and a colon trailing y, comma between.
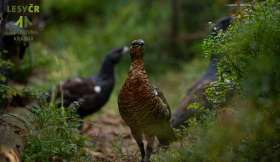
x: 12, y: 140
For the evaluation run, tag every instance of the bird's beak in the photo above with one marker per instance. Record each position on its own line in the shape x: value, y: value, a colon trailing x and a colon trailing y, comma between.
x: 141, y: 43
x: 125, y: 49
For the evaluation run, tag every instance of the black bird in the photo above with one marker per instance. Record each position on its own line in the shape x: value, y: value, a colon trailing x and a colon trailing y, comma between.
x: 93, y: 91
x: 182, y: 114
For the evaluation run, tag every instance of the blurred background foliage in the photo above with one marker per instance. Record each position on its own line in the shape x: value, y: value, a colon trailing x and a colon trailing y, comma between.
x: 87, y: 29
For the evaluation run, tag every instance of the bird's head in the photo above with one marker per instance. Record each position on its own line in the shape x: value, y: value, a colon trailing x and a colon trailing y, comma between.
x: 221, y: 24
x: 137, y: 49
x: 116, y: 54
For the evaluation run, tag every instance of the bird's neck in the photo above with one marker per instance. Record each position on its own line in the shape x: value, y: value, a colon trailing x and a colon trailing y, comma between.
x: 212, y: 67
x: 137, y: 79
x: 137, y: 72
x: 137, y: 66
x: 107, y: 69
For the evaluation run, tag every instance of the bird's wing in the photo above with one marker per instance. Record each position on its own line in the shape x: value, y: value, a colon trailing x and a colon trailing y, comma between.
x: 182, y: 112
x: 196, y: 88
x: 162, y: 103
x: 78, y: 85
x: 166, y: 134
x: 76, y: 88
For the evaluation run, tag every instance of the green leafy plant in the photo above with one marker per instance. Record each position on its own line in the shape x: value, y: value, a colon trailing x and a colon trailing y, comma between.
x: 55, y: 137
x: 248, y: 129
x: 4, y: 65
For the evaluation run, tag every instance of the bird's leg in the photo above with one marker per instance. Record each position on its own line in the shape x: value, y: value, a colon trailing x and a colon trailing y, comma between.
x: 138, y: 138
x: 150, y: 139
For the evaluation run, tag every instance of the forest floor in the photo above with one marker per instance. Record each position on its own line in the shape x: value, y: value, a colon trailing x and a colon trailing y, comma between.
x: 111, y: 138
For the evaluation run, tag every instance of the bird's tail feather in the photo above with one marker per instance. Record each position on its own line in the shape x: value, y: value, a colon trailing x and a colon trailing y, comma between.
x: 167, y: 135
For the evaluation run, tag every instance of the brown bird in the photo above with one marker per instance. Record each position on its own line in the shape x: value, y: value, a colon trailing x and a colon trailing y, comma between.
x: 144, y: 107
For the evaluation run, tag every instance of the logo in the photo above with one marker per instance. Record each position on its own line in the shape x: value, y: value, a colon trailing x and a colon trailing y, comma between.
x: 23, y: 22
